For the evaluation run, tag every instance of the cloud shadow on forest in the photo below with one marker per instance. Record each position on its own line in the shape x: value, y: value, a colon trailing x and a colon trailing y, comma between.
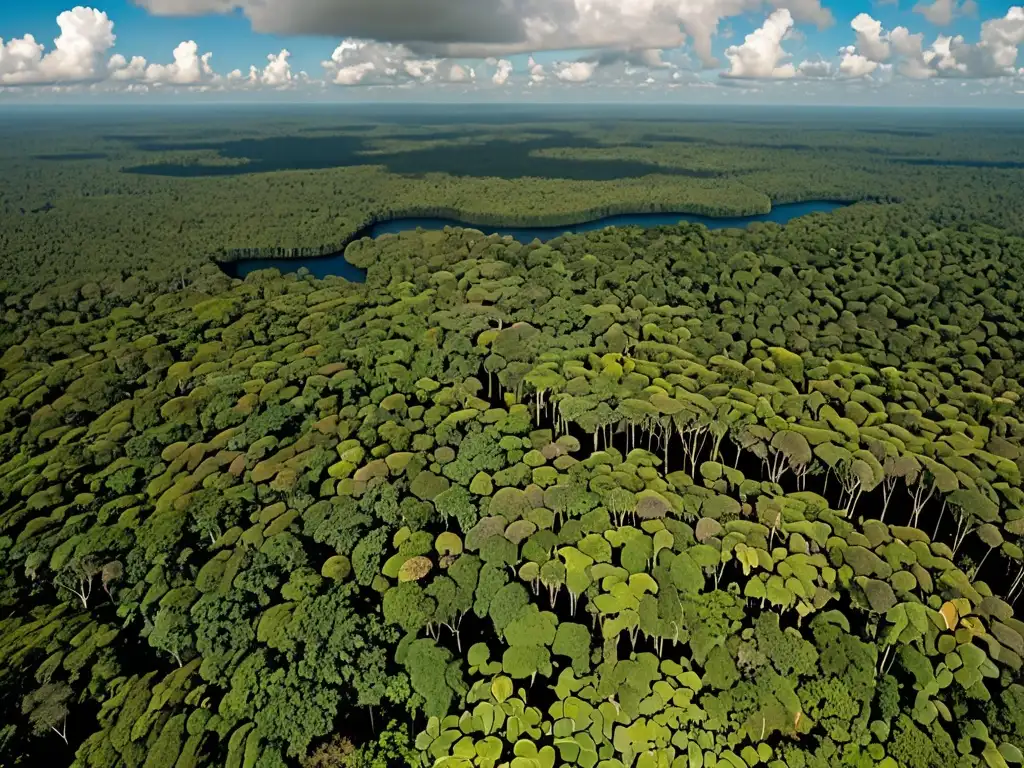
x: 73, y: 156
x: 491, y: 157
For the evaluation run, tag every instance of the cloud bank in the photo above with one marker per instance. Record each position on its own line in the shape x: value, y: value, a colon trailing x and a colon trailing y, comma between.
x: 472, y: 44
x: 85, y: 36
x: 491, y: 28
x: 993, y: 56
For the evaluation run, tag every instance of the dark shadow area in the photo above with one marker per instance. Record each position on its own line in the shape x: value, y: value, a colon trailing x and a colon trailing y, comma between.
x: 45, y: 208
x: 739, y: 142
x: 497, y: 158
x: 73, y: 156
x: 896, y: 132
x: 131, y: 137
x: 964, y: 163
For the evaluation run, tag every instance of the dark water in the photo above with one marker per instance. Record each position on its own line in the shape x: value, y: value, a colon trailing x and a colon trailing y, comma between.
x: 319, y: 266
x: 780, y: 214
x: 335, y: 264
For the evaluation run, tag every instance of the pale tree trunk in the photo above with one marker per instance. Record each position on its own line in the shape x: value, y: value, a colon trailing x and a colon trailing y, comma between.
x: 63, y: 732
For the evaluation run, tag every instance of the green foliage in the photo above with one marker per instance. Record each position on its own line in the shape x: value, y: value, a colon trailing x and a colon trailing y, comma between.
x: 725, y: 498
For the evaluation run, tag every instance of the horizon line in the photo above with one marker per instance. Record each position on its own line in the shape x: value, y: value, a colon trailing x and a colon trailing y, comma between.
x: 22, y: 104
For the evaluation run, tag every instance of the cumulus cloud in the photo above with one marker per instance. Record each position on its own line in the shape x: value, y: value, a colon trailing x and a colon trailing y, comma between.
x: 188, y: 67
x: 809, y: 11
x: 649, y: 58
x: 914, y: 61
x: 479, y: 28
x: 576, y: 71
x: 872, y: 43
x: 364, y: 62
x: 994, y: 55
x: 80, y: 54
x: 86, y: 34
x: 278, y: 72
x: 503, y: 71
x: 627, y: 43
x: 816, y: 68
x: 761, y: 54
x: 537, y: 74
x: 942, y: 12
x: 853, y: 64
x: 613, y: 67
x: 122, y: 69
x: 456, y: 73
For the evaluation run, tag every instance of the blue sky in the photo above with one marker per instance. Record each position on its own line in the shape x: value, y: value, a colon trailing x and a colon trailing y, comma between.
x: 949, y: 49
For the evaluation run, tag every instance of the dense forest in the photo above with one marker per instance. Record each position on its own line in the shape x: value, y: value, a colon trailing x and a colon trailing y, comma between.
x: 667, y: 498
x: 169, y: 192
x: 663, y: 498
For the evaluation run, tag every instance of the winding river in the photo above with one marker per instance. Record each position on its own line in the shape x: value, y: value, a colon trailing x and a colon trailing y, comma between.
x: 335, y: 264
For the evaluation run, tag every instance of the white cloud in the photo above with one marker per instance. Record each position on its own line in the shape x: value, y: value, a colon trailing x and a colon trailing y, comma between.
x: 278, y: 72
x: 853, y: 64
x: 121, y: 69
x: 942, y: 12
x: 817, y: 68
x: 277, y: 75
x: 872, y: 43
x: 628, y: 43
x: 86, y: 34
x: 875, y: 46
x: 617, y: 68
x: 187, y: 68
x: 647, y: 58
x: 504, y: 70
x: 537, y: 74
x: 420, y: 69
x: 576, y: 71
x: 914, y: 61
x: 364, y: 62
x: 940, y: 58
x: 761, y: 53
x: 456, y: 73
x: 479, y: 28
x: 810, y: 11
x: 354, y: 73
x: 995, y: 55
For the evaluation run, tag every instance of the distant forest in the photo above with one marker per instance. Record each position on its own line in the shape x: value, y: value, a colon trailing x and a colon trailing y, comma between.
x: 135, y: 192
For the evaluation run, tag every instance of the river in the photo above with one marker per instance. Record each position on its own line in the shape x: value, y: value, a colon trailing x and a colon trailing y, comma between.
x: 335, y: 264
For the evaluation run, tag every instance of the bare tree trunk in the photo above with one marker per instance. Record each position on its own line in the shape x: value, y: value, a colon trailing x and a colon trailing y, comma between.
x: 63, y: 732
x: 983, y: 559
x: 938, y: 522
x: 888, y: 486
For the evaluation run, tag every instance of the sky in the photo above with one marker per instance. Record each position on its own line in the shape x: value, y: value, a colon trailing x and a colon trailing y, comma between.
x: 835, y: 52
